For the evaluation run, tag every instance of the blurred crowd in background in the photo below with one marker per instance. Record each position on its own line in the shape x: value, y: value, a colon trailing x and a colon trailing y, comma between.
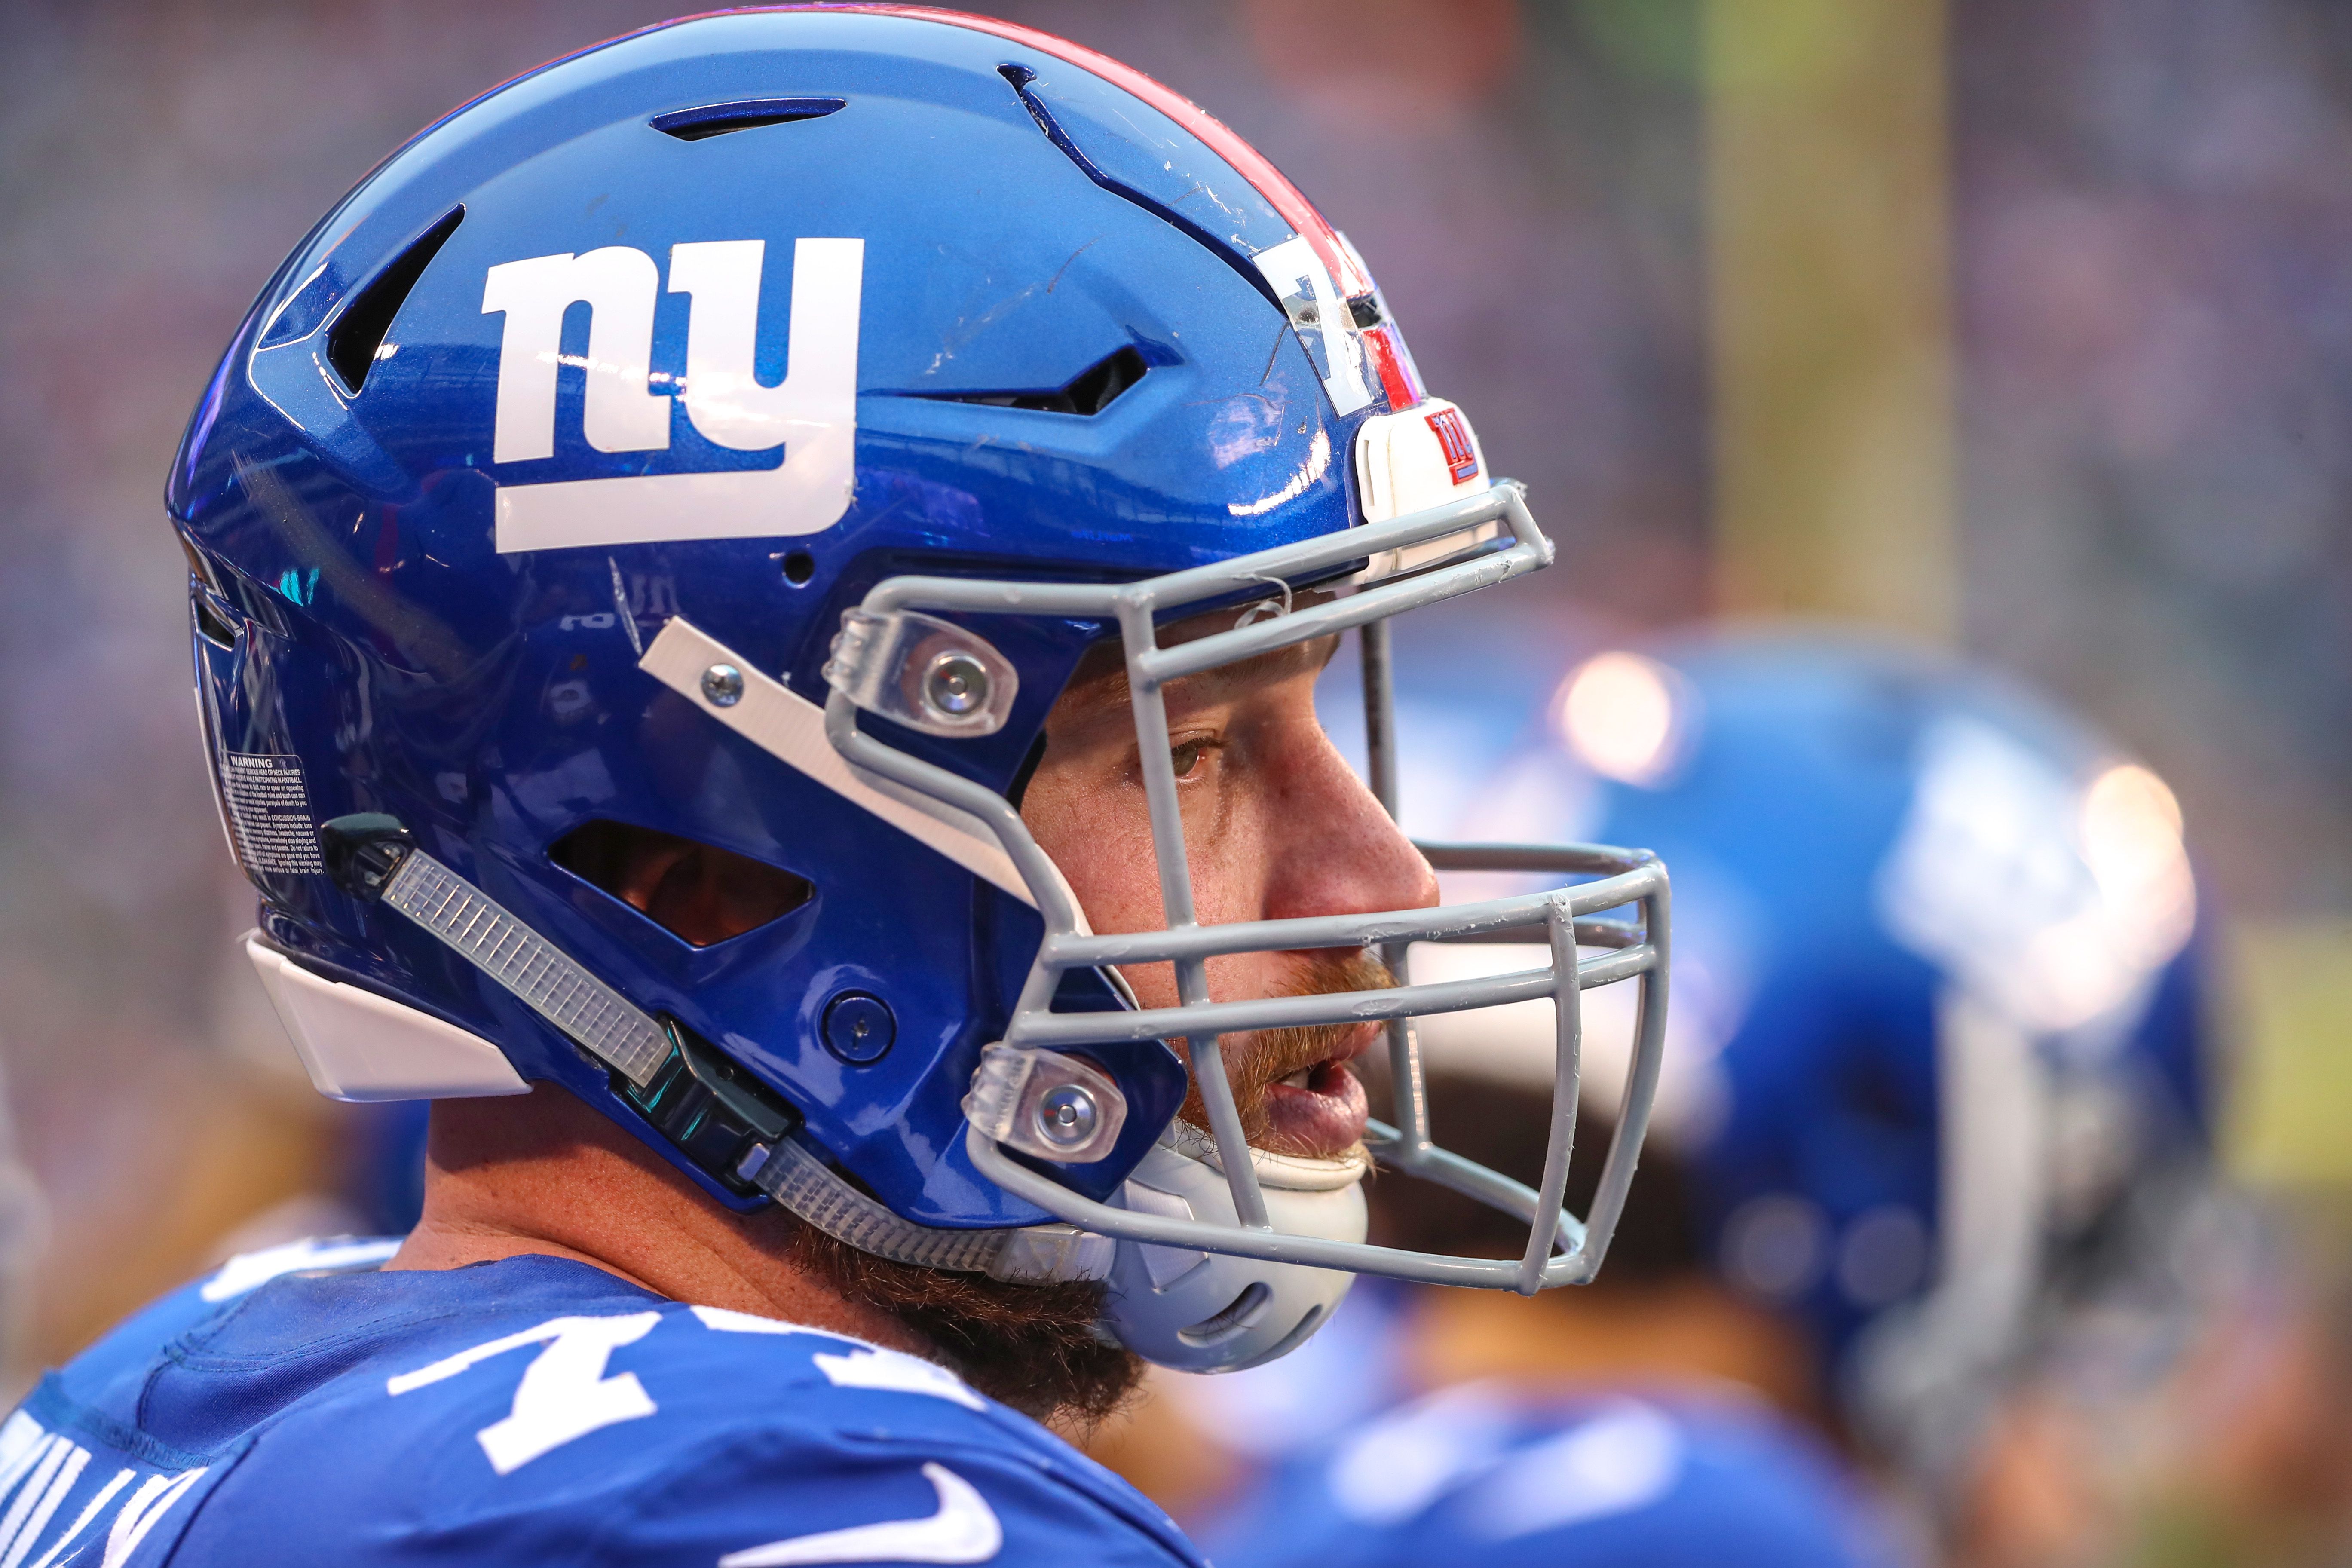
x: 2022, y: 333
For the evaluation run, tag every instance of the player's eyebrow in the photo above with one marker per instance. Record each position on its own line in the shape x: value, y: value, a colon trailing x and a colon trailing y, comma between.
x: 1098, y: 690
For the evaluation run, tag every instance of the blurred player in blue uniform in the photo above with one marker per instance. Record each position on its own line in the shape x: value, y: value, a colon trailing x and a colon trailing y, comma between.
x: 1934, y: 1094
x: 756, y: 596
x: 1651, y: 1419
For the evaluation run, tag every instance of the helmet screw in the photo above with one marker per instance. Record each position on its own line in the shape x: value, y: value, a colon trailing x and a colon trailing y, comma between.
x: 858, y: 1027
x: 1067, y: 1116
x: 956, y: 685
x: 722, y: 684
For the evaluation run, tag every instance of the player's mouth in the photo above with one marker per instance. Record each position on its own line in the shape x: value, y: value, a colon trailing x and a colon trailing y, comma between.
x: 1319, y: 1109
x: 1293, y: 1087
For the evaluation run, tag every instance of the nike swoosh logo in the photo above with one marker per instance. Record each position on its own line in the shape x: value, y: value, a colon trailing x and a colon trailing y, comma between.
x: 963, y: 1531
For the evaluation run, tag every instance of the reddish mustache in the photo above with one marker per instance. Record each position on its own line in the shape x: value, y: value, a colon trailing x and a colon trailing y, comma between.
x: 1254, y: 1062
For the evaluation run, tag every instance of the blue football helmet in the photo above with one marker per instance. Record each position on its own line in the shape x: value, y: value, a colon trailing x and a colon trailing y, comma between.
x: 737, y: 433
x: 1936, y: 1009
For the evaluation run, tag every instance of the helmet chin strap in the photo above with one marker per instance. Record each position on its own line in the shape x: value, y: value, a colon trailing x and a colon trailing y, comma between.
x: 1039, y: 1254
x: 743, y: 1137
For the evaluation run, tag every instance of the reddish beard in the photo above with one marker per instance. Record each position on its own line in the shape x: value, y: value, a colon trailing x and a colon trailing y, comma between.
x: 1256, y: 1061
x: 1034, y: 1347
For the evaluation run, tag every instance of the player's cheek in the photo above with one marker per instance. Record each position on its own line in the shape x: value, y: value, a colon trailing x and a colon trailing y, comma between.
x: 1206, y: 800
x: 1240, y: 854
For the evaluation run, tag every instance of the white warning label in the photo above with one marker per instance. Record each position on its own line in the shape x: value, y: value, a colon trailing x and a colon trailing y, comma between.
x: 271, y: 807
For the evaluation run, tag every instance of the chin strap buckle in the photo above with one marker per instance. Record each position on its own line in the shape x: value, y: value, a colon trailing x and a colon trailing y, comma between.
x: 723, y: 1119
x: 364, y: 851
x: 1044, y: 1254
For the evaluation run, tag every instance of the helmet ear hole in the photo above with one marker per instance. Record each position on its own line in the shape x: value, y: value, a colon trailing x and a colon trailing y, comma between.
x: 1086, y: 393
x: 698, y: 893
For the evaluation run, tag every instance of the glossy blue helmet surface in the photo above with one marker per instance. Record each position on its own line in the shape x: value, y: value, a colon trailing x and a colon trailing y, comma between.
x: 1064, y: 361
x: 1916, y: 907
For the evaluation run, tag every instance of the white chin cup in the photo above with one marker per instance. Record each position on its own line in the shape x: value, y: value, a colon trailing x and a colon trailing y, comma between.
x: 1206, y: 1312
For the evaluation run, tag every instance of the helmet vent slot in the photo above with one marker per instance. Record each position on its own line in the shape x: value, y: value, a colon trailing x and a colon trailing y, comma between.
x: 1237, y: 1317
x: 357, y: 336
x: 1021, y: 77
x: 699, y: 893
x: 1091, y: 391
x: 747, y: 114
x: 211, y: 625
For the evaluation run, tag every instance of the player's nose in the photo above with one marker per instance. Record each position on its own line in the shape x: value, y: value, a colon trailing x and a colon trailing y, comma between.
x: 1335, y: 850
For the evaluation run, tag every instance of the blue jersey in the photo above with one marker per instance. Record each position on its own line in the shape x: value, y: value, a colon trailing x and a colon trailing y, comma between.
x: 303, y: 1406
x: 1477, y: 1477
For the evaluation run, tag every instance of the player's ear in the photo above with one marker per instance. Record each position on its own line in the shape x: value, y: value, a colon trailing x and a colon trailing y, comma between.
x: 698, y: 893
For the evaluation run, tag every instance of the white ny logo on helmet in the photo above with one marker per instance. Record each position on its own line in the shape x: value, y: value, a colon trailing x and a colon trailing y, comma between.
x: 811, y: 415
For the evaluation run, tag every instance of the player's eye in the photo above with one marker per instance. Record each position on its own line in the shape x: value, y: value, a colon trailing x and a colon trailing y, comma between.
x: 1185, y: 756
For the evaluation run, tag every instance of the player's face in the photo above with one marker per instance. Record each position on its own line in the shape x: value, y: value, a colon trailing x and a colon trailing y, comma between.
x: 1276, y: 826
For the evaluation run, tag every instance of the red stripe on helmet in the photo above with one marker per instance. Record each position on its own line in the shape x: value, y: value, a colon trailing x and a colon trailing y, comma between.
x: 1397, y: 378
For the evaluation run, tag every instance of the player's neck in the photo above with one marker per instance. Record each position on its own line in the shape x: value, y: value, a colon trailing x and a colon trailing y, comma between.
x: 546, y: 1175
x: 1690, y: 1333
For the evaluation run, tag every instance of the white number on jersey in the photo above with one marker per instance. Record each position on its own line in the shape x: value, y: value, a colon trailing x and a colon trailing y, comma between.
x: 563, y: 1393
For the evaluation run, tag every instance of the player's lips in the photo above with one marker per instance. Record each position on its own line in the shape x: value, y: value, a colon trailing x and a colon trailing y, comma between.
x: 1321, y: 1108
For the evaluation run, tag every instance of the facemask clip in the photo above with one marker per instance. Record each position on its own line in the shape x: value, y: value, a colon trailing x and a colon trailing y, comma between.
x: 923, y: 672
x: 1046, y: 1104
